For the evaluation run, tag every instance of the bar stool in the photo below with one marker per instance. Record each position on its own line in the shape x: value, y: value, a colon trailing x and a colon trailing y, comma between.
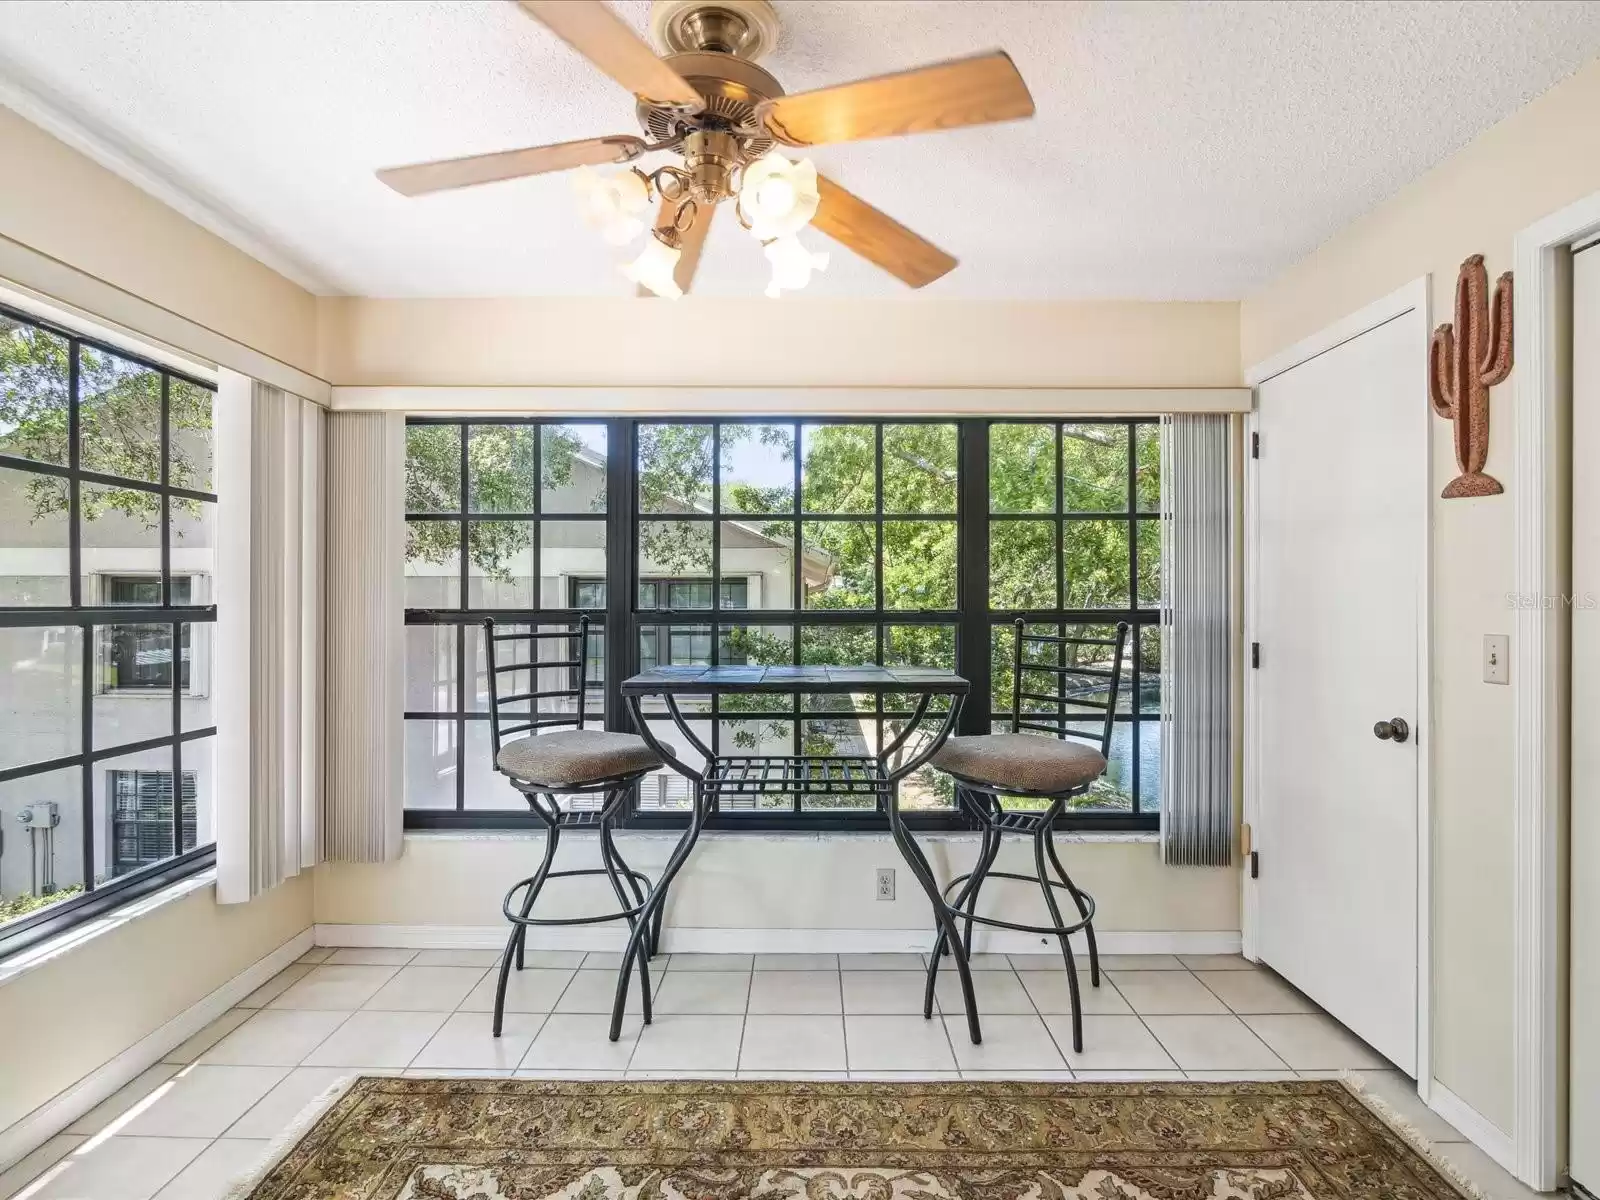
x: 574, y: 762
x: 987, y: 767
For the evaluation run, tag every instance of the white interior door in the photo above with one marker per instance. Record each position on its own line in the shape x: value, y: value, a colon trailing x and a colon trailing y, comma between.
x: 1339, y: 578
x: 1584, y: 1113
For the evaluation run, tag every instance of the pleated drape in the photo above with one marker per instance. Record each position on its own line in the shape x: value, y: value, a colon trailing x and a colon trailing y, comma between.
x: 1197, y: 769
x: 362, y: 812
x: 269, y: 636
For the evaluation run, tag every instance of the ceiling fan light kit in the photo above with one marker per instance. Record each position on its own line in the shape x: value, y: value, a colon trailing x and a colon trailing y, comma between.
x: 706, y: 100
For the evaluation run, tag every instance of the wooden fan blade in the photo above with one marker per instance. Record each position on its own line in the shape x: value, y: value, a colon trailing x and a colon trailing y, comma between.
x: 420, y: 178
x: 694, y: 241
x: 602, y: 37
x: 965, y: 91
x: 878, y: 237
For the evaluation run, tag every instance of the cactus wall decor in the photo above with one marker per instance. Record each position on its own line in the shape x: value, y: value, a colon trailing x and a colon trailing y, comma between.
x: 1465, y: 359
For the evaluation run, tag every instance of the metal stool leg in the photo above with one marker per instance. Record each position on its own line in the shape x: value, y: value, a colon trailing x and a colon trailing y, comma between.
x: 639, y: 891
x: 1083, y: 909
x: 553, y: 834
x: 1040, y: 837
x: 991, y: 848
x: 609, y: 860
x: 519, y: 932
x: 653, y: 903
x: 920, y: 867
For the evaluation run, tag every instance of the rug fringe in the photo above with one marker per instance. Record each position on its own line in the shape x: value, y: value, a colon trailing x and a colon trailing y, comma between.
x: 1410, y: 1135
x: 291, y: 1134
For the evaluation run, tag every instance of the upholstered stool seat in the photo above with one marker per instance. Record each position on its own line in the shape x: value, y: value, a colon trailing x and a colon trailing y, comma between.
x: 575, y: 758
x: 1020, y: 762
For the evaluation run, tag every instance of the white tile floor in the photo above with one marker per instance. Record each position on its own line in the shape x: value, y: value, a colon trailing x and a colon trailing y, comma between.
x: 186, y: 1127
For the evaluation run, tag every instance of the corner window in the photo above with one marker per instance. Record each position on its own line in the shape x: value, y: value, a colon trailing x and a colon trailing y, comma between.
x: 107, y: 541
x: 771, y: 541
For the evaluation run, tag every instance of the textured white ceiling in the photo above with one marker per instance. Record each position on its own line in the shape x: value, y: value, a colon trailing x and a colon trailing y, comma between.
x: 1181, y: 151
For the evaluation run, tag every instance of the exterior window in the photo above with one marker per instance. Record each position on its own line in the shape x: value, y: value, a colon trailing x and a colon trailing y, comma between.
x: 137, y: 659
x: 771, y: 541
x: 509, y: 519
x: 107, y: 523
x: 1075, y: 542
x: 141, y: 817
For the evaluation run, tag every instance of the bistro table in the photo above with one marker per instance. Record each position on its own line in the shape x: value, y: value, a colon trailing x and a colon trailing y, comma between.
x: 873, y: 775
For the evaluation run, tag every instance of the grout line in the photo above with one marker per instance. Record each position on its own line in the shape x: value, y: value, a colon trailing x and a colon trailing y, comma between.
x: 744, y: 1017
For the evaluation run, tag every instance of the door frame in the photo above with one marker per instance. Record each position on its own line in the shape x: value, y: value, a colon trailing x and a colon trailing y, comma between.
x: 1414, y: 300
x: 1540, y: 664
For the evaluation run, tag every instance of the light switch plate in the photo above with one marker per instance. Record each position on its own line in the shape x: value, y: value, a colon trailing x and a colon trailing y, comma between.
x: 1496, y: 658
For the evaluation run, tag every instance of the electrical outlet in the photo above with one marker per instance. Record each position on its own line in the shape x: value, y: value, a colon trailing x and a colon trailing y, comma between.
x: 885, y: 883
x: 1496, y: 658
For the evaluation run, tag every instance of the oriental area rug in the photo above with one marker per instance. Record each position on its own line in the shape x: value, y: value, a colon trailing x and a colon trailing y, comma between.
x: 515, y: 1139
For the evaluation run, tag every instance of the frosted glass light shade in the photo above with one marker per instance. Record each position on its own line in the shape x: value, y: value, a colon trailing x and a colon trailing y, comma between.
x: 778, y: 197
x: 611, y: 204
x: 654, y: 268
x: 792, y: 265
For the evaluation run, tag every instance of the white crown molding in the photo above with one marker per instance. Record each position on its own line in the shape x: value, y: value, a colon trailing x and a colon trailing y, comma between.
x: 1539, y: 651
x: 32, y: 103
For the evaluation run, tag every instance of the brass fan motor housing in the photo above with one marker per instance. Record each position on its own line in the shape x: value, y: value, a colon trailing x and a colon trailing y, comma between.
x: 732, y: 87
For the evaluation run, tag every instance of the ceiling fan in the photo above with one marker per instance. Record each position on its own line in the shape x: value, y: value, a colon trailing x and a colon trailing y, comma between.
x: 707, y: 101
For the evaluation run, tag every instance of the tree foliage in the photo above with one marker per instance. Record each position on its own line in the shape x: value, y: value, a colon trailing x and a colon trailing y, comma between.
x: 119, y: 425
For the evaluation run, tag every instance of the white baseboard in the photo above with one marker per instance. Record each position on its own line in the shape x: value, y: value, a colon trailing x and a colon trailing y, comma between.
x: 1481, y: 1132
x: 765, y: 941
x: 54, y: 1115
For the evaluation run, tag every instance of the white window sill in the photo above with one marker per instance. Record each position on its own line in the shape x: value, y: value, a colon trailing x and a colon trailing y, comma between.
x: 47, y: 951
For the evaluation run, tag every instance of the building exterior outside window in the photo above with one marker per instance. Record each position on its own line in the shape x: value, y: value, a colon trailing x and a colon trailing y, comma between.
x: 107, y: 555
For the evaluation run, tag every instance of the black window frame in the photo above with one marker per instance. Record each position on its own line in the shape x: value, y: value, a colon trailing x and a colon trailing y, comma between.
x: 95, y: 622
x: 971, y: 619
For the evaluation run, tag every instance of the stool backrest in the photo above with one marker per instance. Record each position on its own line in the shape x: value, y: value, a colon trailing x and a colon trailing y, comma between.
x: 563, y: 650
x: 1072, y: 686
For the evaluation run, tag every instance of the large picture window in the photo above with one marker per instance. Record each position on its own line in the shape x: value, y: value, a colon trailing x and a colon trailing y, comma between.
x: 107, y: 551
x: 770, y: 541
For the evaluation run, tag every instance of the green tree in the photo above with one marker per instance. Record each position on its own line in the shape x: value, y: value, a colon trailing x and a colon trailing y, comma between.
x: 119, y: 425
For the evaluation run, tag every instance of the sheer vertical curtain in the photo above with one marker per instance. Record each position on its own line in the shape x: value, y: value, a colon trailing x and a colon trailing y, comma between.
x: 1197, y: 510
x: 269, y: 635
x: 365, y: 659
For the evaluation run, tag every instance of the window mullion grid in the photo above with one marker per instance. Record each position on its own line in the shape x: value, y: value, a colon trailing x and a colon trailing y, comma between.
x: 75, y: 597
x: 93, y: 623
x: 177, y: 744
x: 174, y: 649
x: 877, y: 573
x: 1133, y: 605
x: 621, y: 586
x: 973, y: 637
x: 463, y: 599
x: 716, y: 578
x: 797, y: 590
x: 166, y: 500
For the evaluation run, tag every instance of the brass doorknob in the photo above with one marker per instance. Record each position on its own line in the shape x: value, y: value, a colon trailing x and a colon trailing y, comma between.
x: 1396, y: 730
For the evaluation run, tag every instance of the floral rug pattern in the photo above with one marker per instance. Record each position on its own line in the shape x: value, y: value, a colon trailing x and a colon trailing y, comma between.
x: 514, y: 1139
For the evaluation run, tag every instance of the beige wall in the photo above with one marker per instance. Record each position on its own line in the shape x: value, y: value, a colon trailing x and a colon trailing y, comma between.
x: 61, y: 204
x: 778, y: 881
x: 75, y: 1013
x: 751, y: 342
x: 1536, y: 161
